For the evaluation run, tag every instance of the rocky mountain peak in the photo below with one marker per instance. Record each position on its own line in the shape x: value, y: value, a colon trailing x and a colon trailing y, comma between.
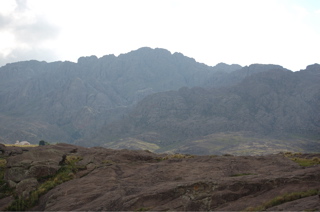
x: 87, y: 60
x: 314, y: 68
x: 227, y: 68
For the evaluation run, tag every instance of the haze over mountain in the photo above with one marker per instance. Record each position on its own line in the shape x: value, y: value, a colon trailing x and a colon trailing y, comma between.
x: 152, y: 99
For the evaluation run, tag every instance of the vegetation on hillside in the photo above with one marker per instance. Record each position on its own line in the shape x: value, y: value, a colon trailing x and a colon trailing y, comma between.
x: 65, y: 173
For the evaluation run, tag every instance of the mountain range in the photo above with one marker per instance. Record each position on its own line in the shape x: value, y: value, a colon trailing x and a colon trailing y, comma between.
x: 152, y: 99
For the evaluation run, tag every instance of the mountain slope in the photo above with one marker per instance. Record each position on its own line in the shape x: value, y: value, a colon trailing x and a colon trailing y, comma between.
x: 271, y: 107
x: 65, y: 101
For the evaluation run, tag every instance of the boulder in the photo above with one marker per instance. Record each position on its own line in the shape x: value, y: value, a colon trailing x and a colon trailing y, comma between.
x: 11, y: 184
x: 41, y: 171
x: 15, y: 174
x: 5, y: 202
x: 24, y: 187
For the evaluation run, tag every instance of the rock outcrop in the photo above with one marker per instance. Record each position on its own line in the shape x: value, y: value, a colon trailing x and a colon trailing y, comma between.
x: 25, y: 167
x: 128, y: 180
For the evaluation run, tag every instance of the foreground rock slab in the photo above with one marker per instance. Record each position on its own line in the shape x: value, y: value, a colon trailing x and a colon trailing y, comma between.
x: 127, y: 180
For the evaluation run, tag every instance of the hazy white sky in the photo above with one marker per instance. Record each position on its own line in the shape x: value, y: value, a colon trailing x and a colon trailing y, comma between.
x: 284, y: 32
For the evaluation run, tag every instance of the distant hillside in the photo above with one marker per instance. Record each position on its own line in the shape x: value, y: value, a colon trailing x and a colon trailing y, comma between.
x: 65, y: 101
x: 272, y: 109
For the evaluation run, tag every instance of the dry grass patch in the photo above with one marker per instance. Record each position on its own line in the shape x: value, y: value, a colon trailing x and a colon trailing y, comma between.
x: 302, y: 161
x: 176, y: 156
x: 17, y: 145
x: 283, y: 199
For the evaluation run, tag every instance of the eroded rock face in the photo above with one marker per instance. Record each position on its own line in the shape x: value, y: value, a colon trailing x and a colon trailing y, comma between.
x: 125, y: 180
x: 34, y: 163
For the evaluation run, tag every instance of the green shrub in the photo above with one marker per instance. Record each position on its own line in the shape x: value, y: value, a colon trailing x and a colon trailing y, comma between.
x: 43, y: 143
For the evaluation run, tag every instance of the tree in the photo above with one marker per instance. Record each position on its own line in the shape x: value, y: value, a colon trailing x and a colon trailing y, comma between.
x: 43, y: 143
